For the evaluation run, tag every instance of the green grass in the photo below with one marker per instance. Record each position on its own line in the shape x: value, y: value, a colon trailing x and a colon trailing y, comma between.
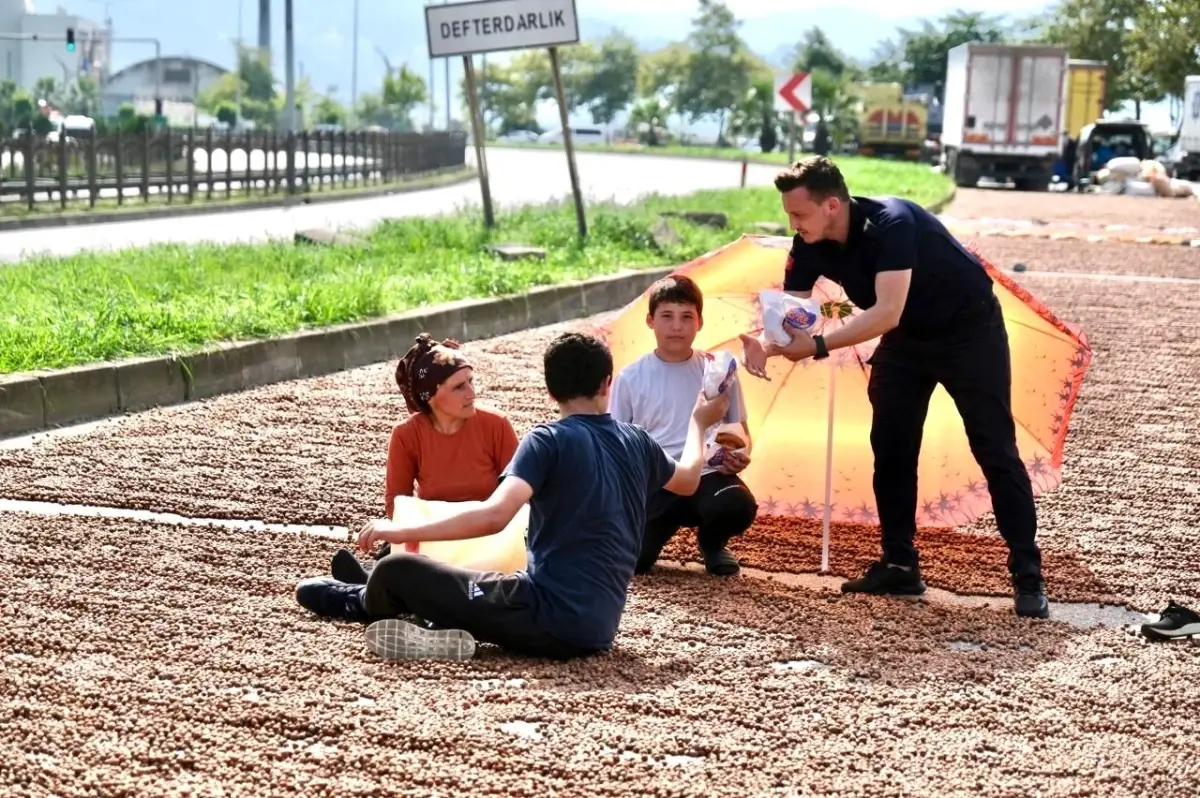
x: 103, y: 306
x: 778, y: 156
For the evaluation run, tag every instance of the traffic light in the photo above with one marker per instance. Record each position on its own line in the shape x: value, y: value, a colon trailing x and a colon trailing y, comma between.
x: 70, y: 40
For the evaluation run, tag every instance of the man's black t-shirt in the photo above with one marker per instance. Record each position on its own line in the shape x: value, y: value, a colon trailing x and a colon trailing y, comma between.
x: 949, y: 285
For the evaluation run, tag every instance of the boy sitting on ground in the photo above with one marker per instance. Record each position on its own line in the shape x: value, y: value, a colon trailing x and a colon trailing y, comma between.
x: 586, y: 477
x: 657, y: 392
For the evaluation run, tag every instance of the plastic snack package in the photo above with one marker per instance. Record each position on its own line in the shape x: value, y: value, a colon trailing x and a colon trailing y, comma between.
x: 782, y: 311
x: 720, y: 368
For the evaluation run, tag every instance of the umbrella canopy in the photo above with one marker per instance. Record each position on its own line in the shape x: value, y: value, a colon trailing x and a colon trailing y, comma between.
x: 811, y: 455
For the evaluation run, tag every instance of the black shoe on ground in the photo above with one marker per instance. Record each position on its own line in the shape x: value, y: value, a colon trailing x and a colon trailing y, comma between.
x: 346, y: 568
x: 1029, y: 598
x: 330, y: 598
x: 1174, y: 622
x: 721, y: 563
x: 882, y: 579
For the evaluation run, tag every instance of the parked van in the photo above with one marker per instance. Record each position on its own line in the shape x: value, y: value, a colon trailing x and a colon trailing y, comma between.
x: 579, y: 135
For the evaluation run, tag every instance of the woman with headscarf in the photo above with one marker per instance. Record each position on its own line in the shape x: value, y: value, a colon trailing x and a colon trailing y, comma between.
x: 448, y: 449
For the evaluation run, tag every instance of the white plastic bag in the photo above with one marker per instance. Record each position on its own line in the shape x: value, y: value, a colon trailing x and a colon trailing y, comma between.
x: 782, y: 311
x: 720, y: 367
x: 727, y: 439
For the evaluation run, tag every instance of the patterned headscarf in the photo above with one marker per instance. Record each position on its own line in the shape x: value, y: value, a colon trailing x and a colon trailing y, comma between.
x: 425, y: 367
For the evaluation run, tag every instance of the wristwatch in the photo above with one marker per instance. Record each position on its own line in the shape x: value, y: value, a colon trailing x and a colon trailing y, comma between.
x: 822, y: 350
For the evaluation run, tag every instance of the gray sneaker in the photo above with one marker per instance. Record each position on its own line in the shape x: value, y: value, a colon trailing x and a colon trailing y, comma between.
x: 396, y: 639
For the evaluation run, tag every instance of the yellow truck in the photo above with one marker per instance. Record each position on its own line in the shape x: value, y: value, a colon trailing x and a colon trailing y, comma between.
x: 889, y: 123
x: 1087, y: 87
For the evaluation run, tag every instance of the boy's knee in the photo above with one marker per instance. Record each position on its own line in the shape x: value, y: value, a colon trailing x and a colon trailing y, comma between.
x: 395, y: 564
x: 738, y: 508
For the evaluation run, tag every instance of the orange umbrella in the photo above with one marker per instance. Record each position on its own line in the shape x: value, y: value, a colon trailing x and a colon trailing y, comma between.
x: 811, y: 454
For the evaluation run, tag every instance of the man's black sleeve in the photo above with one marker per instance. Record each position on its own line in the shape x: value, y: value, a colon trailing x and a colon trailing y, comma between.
x: 799, y: 273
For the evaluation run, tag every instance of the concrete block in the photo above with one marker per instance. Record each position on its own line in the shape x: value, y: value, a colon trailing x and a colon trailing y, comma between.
x: 80, y: 393
x: 614, y: 292
x: 320, y: 352
x: 236, y: 367
x: 150, y: 382
x: 445, y: 321
x: 400, y: 332
x: 22, y: 404
x: 553, y: 304
x: 487, y: 318
x: 269, y: 362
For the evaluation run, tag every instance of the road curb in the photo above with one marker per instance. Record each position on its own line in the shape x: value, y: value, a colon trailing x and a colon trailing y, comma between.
x: 44, y: 400
x: 36, y: 401
x: 235, y: 206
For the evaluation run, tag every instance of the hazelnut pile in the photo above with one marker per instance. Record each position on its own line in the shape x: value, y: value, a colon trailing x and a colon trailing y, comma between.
x: 145, y: 660
x: 1095, y: 213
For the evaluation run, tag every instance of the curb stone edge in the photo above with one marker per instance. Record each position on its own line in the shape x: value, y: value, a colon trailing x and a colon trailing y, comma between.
x: 32, y: 402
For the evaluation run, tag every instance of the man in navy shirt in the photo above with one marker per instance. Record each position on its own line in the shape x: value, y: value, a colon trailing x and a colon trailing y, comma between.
x: 932, y: 302
x: 586, y: 478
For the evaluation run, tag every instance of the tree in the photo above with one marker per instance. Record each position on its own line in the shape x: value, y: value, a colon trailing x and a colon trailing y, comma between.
x: 1162, y: 49
x: 82, y: 96
x: 1102, y: 30
x: 661, y: 73
x: 606, y: 80
x: 647, y: 119
x: 327, y: 110
x: 923, y: 52
x: 717, y: 75
x: 755, y: 115
x: 815, y: 51
x: 403, y: 90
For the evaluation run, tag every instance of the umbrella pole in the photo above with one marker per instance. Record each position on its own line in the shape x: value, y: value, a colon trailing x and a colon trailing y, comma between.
x: 828, y: 472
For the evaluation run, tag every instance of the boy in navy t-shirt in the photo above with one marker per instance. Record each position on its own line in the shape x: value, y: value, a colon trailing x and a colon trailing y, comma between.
x: 586, y: 478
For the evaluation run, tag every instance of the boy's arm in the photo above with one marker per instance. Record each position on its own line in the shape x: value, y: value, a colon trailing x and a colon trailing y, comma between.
x: 686, y: 477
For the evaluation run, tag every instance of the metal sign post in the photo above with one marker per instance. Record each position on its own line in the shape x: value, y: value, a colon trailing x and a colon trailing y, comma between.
x: 477, y: 133
x: 489, y: 26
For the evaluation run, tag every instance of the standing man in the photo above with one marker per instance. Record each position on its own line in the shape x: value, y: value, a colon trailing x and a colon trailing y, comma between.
x: 932, y: 302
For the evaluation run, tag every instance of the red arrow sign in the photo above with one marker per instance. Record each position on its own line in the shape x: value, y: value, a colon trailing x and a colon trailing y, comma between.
x: 796, y: 92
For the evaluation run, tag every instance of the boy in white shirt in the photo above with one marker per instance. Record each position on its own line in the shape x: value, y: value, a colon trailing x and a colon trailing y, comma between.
x: 657, y: 393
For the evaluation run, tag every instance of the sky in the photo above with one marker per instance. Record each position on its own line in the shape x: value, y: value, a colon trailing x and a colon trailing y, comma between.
x: 324, y: 33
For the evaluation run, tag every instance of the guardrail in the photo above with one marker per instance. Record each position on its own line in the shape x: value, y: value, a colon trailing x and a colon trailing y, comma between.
x: 128, y: 168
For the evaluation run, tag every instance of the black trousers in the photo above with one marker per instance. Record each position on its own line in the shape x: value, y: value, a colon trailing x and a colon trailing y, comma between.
x: 720, y: 509
x: 490, y: 606
x: 973, y: 364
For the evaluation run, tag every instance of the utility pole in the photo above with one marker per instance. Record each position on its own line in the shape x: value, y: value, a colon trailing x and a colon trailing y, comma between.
x: 354, y: 71
x: 237, y: 67
x: 290, y: 57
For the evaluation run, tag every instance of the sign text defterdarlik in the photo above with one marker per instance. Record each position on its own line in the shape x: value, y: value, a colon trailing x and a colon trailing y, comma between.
x: 492, y: 25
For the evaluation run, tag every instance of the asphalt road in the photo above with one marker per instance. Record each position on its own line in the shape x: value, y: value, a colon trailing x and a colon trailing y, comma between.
x: 517, y: 177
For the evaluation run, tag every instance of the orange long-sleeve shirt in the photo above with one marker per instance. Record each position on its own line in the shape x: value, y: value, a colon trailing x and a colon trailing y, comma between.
x: 461, y: 467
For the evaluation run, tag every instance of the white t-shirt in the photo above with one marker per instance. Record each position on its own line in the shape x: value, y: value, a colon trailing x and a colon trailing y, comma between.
x: 659, y: 397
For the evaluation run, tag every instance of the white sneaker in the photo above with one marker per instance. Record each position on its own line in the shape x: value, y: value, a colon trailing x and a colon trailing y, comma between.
x: 396, y: 639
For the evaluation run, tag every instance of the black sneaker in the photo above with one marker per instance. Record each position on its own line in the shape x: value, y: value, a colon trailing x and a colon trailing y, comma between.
x: 721, y: 563
x: 882, y: 579
x: 1173, y: 622
x: 346, y: 568
x: 330, y: 598
x: 1029, y: 597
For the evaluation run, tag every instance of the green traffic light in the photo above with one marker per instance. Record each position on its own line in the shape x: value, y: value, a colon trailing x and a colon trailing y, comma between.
x: 70, y: 47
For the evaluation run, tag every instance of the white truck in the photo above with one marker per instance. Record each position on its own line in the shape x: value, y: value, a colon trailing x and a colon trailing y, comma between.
x: 1004, y: 113
x: 1186, y: 152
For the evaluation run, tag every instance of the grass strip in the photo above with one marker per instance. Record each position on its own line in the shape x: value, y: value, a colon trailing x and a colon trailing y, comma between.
x: 99, y: 306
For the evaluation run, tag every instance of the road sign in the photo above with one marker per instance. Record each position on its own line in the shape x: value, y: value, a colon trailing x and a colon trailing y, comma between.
x: 489, y: 26
x: 794, y: 93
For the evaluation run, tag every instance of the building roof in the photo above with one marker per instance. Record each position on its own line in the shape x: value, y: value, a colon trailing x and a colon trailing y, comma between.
x: 149, y: 63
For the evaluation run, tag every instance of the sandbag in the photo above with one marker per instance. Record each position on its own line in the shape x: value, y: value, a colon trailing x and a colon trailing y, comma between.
x: 1142, y: 188
x: 1152, y: 169
x: 1126, y: 165
x: 1181, y: 189
x: 503, y: 552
